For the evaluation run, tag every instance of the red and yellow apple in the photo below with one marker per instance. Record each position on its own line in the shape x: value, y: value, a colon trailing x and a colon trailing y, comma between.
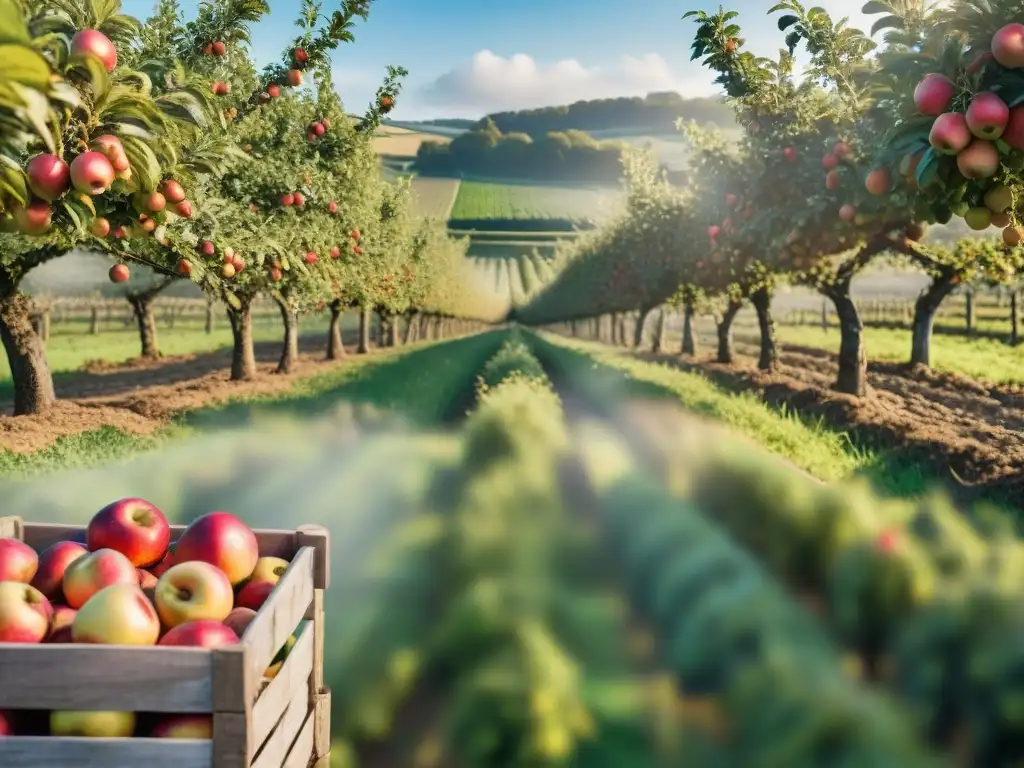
x: 18, y: 561
x: 49, y: 177
x: 204, y: 633
x: 184, y: 727
x: 117, y: 615
x: 25, y: 615
x: 222, y: 540
x: 92, y: 173
x: 93, y: 724
x: 133, y: 527
x: 239, y: 620
x: 254, y: 594
x: 53, y: 562
x: 92, y: 41
x: 60, y: 626
x: 191, y: 591
x: 93, y: 571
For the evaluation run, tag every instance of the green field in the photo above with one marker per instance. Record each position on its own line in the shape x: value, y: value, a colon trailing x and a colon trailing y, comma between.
x: 480, y: 200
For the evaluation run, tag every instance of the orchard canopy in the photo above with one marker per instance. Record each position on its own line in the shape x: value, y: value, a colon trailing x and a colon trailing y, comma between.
x: 883, y: 133
x: 162, y: 144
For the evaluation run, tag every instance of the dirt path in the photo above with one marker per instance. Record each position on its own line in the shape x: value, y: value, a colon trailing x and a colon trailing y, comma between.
x: 955, y: 425
x: 140, y: 397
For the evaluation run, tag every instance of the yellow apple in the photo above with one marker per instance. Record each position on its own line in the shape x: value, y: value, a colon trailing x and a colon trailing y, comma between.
x: 191, y: 591
x: 117, y: 615
x: 94, y: 724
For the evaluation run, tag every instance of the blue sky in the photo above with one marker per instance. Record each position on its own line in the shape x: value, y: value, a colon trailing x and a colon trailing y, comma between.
x: 469, y: 57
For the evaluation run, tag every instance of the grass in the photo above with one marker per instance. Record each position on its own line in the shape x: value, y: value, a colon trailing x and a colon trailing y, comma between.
x: 427, y: 385
x: 605, y: 375
x: 70, y: 347
x: 480, y: 200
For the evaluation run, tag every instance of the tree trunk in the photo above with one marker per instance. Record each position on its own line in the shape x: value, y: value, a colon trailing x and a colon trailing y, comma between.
x: 388, y: 330
x: 209, y: 316
x: 659, y: 332
x: 410, y: 324
x: 824, y: 315
x: 94, y: 320
x: 769, y: 358
x: 364, y: 330
x: 30, y: 372
x: 969, y: 310
x: 424, y: 329
x: 243, y: 356
x: 853, y: 360
x: 290, y: 344
x: 925, y: 309
x: 145, y: 317
x: 1015, y: 318
x: 335, y: 345
x: 689, y: 337
x: 725, y: 354
x: 638, y: 330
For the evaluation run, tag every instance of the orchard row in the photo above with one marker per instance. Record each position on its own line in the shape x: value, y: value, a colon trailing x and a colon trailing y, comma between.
x: 849, y: 165
x: 161, y: 144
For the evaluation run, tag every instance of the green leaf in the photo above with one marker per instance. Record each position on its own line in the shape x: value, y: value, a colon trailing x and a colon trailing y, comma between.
x: 23, y: 65
x: 927, y: 168
x: 886, y: 22
x: 787, y: 21
x: 232, y: 300
x: 873, y: 7
x: 145, y: 166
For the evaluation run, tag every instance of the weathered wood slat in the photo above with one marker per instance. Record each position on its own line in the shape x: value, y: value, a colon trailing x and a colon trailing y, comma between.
x: 302, y: 750
x: 65, y: 752
x: 322, y: 725
x: 276, y: 748
x: 317, y: 537
x: 293, y: 676
x: 280, y: 614
x: 69, y: 676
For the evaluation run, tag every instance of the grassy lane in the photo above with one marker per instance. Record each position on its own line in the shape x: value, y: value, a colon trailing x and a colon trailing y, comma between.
x: 424, y: 384
x: 605, y: 375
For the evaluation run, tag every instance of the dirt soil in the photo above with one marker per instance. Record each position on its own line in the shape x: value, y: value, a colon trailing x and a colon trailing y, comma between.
x: 141, y: 396
x: 965, y: 430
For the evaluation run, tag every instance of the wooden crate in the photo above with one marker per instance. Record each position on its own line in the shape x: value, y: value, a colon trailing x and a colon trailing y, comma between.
x: 283, y: 723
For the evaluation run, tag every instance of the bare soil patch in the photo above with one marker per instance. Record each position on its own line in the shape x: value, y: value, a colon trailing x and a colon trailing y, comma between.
x: 967, y: 431
x: 141, y: 396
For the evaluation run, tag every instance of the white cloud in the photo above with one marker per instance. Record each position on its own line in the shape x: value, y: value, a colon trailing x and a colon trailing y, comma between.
x: 490, y: 83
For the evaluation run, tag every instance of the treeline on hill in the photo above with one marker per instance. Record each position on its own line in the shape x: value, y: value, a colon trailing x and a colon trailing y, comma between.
x: 555, y: 156
x: 655, y: 113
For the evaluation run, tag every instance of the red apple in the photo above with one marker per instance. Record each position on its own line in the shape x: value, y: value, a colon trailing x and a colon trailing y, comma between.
x: 1008, y: 46
x: 173, y: 191
x: 147, y: 581
x: 219, y: 49
x: 154, y: 202
x: 832, y: 180
x: 184, y: 209
x: 18, y: 561
x: 25, y: 614
x: 299, y: 199
x: 92, y: 173
x: 49, y: 177
x: 221, y: 539
x: 887, y: 541
x: 239, y: 620
x: 386, y: 104
x: 134, y: 527
x: 220, y: 88
x: 193, y: 590
x: 979, y: 161
x: 287, y: 199
x: 118, y: 233
x: 276, y: 275
x: 301, y: 57
x: 273, y: 90
x: 254, y: 594
x: 184, y: 727
x: 6, y: 724
x: 318, y: 129
x: 34, y: 219
x: 92, y: 41
x: 987, y: 116
x: 90, y: 573
x: 354, y: 234
x: 60, y: 626
x: 201, y: 633
x: 730, y: 199
x: 294, y: 78
x: 847, y: 212
x: 332, y: 207
x: 357, y: 250
x: 878, y: 181
x: 335, y: 252
x: 934, y: 94
x: 119, y: 273
x: 789, y: 153
x: 1014, y: 132
x: 184, y: 267
x: 53, y: 562
x: 950, y: 133
x: 829, y: 161
x: 311, y: 257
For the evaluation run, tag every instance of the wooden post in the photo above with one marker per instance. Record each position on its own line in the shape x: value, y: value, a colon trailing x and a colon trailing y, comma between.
x: 319, y: 696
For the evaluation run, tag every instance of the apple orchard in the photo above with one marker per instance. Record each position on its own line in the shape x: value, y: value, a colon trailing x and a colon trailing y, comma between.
x: 161, y: 144
x: 847, y: 164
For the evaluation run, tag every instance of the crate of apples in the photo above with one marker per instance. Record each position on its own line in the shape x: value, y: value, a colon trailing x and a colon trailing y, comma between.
x: 131, y: 641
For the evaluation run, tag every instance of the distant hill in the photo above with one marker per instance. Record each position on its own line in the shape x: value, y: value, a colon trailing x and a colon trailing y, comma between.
x: 655, y: 113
